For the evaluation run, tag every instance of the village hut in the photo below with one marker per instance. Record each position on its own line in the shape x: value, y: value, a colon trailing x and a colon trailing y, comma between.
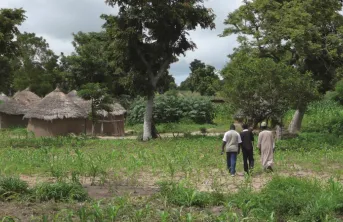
x: 110, y: 123
x: 12, y: 110
x: 56, y: 115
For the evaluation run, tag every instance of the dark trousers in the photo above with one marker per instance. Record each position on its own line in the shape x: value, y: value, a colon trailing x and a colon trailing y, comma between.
x: 231, y: 158
x: 248, y: 159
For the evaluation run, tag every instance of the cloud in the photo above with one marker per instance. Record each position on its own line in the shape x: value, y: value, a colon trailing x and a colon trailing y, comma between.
x: 57, y: 20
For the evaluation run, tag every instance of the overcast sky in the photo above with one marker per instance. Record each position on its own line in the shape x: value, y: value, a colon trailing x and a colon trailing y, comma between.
x: 56, y: 20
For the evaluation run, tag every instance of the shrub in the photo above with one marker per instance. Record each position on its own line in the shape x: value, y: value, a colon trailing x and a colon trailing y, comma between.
x: 169, y: 109
x: 180, y: 195
x: 293, y: 199
x: 60, y: 191
x: 310, y: 141
x: 322, y: 115
x: 12, y: 187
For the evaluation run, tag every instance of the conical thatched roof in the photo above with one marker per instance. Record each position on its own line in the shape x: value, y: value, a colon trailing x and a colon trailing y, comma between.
x: 117, y: 109
x: 26, y: 97
x: 56, y: 105
x: 20, y: 104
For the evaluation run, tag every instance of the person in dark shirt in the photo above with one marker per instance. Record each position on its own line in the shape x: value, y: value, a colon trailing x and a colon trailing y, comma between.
x: 247, y: 148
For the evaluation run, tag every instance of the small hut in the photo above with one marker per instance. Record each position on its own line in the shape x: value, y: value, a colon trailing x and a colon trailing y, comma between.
x: 56, y: 115
x: 110, y: 123
x: 12, y: 110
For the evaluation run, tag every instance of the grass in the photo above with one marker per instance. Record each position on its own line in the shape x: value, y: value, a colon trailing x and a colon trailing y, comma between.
x: 188, y: 177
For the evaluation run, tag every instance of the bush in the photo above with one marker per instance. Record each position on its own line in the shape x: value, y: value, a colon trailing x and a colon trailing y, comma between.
x: 170, y: 109
x: 323, y: 116
x: 310, y: 141
x: 294, y: 199
x: 180, y: 195
x: 12, y: 187
x: 60, y: 191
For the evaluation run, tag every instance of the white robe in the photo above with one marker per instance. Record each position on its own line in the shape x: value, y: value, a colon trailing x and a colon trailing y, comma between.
x: 266, y: 145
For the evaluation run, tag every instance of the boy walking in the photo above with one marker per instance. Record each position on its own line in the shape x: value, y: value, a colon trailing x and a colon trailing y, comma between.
x: 247, y: 148
x: 231, y: 142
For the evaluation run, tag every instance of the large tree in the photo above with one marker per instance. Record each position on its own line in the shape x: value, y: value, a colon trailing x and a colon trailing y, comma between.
x: 264, y: 89
x: 10, y: 19
x: 36, y: 66
x: 89, y: 63
x: 305, y: 34
x: 149, y: 35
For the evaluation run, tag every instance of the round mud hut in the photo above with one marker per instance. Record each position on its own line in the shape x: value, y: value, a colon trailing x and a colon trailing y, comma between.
x: 110, y: 123
x: 56, y: 115
x: 12, y: 110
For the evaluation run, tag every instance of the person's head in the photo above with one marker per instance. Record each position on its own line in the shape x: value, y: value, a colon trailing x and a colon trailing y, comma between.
x: 245, y: 126
x: 232, y: 127
x: 263, y: 125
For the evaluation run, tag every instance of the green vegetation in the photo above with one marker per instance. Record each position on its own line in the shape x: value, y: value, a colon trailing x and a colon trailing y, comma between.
x: 169, y: 109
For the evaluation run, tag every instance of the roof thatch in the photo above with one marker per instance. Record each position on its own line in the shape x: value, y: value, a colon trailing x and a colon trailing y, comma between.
x: 3, y: 97
x: 56, y: 105
x: 20, y: 104
x: 117, y: 109
x: 26, y: 97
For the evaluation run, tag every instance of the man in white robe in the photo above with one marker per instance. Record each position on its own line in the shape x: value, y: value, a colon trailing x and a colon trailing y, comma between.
x: 266, y: 145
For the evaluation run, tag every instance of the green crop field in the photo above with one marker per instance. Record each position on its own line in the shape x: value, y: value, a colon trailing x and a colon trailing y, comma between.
x: 175, y: 179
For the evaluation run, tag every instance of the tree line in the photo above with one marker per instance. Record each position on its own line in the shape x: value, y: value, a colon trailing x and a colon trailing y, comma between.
x: 289, y: 54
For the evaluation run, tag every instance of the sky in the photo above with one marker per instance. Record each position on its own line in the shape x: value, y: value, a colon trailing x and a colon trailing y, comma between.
x: 56, y: 21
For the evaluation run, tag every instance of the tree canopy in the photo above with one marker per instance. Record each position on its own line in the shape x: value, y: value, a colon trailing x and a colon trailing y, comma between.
x: 202, y: 79
x: 263, y: 89
x: 36, y: 66
x: 305, y: 34
x: 10, y: 19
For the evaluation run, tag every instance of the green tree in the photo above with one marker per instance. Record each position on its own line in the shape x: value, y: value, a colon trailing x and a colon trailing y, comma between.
x: 89, y: 63
x: 202, y: 79
x: 305, y: 34
x: 100, y: 100
x: 263, y: 89
x: 10, y: 19
x: 36, y: 66
x: 147, y: 38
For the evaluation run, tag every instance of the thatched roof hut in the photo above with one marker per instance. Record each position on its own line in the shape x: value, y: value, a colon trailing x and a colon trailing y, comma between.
x: 13, y: 109
x: 56, y: 114
x: 56, y: 105
x: 110, y: 123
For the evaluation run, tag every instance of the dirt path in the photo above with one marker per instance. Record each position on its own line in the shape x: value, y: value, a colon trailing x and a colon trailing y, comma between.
x: 162, y: 135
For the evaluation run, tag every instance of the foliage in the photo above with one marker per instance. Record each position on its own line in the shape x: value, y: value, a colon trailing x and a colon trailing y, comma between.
x: 173, y: 109
x: 262, y: 88
x: 12, y: 187
x: 180, y: 195
x: 100, y: 100
x: 10, y: 19
x: 37, y: 65
x: 298, y: 200
x: 322, y: 116
x: 89, y: 64
x: 60, y: 191
x: 287, y: 31
x: 306, y: 142
x: 202, y: 79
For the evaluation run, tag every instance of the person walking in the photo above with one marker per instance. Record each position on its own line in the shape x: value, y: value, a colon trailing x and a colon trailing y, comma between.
x: 247, y: 148
x: 266, y: 146
x: 231, y: 142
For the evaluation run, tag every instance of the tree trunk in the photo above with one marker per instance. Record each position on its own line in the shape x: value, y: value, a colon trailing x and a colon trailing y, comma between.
x: 148, y: 118
x: 295, y: 125
x: 93, y: 128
